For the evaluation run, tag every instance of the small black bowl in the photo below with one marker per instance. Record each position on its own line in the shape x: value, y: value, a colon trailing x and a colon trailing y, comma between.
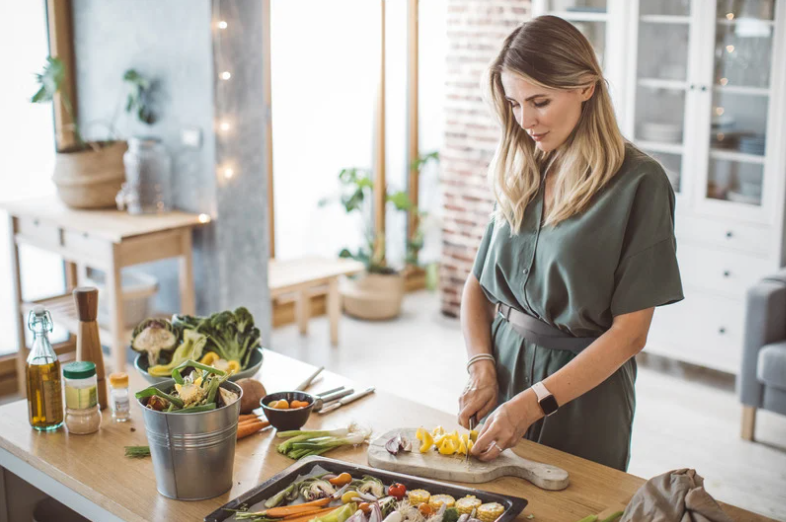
x: 285, y: 420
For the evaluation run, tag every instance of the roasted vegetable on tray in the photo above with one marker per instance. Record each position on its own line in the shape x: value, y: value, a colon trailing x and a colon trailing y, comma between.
x: 317, y: 498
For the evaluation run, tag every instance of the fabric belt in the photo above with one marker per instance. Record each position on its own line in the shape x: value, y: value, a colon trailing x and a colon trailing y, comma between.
x: 541, y: 333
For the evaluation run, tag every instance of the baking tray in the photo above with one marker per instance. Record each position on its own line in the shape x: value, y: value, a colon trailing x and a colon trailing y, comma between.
x: 513, y: 505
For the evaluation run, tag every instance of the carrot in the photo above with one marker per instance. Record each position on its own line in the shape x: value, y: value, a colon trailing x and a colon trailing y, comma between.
x: 247, y: 417
x: 310, y: 514
x: 246, y: 428
x: 299, y: 509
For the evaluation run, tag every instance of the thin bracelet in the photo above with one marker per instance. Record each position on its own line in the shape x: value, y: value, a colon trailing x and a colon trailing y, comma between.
x: 480, y: 357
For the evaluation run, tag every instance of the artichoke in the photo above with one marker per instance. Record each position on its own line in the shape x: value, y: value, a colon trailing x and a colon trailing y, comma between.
x: 152, y: 336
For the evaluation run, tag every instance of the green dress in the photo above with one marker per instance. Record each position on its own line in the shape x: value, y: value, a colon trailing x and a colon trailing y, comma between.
x: 617, y: 256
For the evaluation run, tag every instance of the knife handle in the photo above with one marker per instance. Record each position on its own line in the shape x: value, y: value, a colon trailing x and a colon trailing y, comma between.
x: 356, y: 396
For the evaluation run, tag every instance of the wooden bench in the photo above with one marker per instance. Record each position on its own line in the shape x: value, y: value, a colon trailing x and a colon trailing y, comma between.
x: 302, y: 276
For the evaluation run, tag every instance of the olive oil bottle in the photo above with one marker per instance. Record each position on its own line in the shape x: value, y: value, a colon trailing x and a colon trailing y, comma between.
x: 44, y: 395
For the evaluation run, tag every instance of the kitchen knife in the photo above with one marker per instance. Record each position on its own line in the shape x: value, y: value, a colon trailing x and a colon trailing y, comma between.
x: 325, y: 399
x: 471, y: 427
x: 346, y: 400
x: 305, y: 384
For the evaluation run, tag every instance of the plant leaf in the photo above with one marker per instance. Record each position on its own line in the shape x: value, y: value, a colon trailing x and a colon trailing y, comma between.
x: 400, y: 199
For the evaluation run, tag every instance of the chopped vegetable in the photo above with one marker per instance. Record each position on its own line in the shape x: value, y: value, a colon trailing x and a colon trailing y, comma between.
x: 232, y: 335
x: 396, y: 516
x: 490, y: 512
x: 371, y: 485
x: 349, y: 496
x: 279, y: 512
x: 468, y: 504
x: 589, y: 518
x: 425, y: 510
x: 397, y: 490
x: 427, y: 440
x: 190, y: 349
x: 317, y: 489
x: 195, y: 393
x: 339, y: 515
x: 450, y: 515
x: 436, y: 501
x: 447, y: 447
x: 612, y: 517
x: 341, y: 480
x: 279, y: 497
x: 244, y: 429
x: 154, y: 336
x: 365, y: 507
x: 418, y: 496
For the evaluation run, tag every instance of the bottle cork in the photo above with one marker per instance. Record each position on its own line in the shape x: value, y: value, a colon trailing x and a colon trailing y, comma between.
x: 88, y: 342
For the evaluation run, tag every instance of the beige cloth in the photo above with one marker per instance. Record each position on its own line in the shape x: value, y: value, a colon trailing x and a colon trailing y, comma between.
x: 676, y: 496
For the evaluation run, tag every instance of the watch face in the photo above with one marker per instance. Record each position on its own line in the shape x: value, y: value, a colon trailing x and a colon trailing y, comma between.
x: 549, y: 405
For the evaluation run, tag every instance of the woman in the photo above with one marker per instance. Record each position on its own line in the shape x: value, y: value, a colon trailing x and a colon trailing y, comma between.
x: 579, y: 251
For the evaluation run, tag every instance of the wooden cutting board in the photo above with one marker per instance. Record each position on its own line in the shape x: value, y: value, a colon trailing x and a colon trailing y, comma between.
x: 454, y: 469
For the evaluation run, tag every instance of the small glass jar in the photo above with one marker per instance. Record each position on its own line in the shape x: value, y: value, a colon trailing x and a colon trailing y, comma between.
x: 81, y: 396
x: 121, y: 408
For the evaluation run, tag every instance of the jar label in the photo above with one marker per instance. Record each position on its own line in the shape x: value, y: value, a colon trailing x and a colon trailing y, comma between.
x: 81, y: 398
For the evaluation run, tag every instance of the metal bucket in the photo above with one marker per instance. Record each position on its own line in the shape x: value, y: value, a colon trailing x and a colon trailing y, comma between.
x: 193, y: 453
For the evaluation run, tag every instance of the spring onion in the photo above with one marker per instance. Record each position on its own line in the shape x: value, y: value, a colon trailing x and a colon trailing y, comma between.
x: 307, y: 443
x: 137, y: 452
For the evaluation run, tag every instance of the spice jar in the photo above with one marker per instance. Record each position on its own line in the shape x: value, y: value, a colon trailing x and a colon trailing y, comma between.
x: 81, y: 396
x: 121, y: 408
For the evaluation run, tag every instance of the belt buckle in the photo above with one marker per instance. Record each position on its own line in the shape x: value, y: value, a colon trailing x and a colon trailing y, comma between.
x: 505, y: 315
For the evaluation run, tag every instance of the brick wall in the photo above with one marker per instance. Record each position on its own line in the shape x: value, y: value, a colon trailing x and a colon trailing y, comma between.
x: 476, y: 29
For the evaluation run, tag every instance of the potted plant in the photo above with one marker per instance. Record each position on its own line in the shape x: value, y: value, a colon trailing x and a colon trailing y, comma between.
x: 378, y: 292
x: 88, y: 174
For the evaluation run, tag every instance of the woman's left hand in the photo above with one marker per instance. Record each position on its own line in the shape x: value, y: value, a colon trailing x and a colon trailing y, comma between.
x: 507, y: 425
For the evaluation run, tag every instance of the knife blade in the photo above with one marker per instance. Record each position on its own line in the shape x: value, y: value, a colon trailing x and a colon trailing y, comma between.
x: 472, y: 422
x: 346, y: 400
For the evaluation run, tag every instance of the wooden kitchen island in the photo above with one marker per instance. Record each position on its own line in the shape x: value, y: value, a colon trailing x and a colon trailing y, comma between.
x: 90, y: 474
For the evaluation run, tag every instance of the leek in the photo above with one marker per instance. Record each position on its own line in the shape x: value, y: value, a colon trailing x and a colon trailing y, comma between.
x: 308, y: 443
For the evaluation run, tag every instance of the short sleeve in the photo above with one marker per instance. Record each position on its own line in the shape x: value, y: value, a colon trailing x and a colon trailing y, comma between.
x: 483, y: 250
x: 648, y: 274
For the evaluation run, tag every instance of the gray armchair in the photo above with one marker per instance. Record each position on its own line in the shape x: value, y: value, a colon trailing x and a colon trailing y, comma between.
x: 762, y: 378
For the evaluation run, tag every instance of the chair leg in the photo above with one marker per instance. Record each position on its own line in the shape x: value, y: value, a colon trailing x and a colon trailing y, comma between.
x: 748, y: 422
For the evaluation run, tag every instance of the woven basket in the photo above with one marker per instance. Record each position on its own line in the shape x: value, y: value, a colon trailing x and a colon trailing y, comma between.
x: 89, y: 178
x: 373, y: 297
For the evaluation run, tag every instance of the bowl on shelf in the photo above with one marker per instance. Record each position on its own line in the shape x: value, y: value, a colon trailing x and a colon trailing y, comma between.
x: 290, y: 419
x: 254, y: 363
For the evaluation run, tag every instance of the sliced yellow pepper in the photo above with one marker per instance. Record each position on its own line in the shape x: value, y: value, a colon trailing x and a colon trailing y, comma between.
x: 462, y: 447
x: 419, y: 434
x: 447, y: 447
x: 473, y: 435
x: 465, y: 438
x: 470, y: 445
x: 455, y: 437
x: 428, y: 441
x: 349, y: 496
x: 209, y: 358
x: 439, y: 430
x: 234, y: 366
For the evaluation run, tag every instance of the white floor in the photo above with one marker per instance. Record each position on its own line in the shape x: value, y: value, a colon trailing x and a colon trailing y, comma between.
x: 685, y: 417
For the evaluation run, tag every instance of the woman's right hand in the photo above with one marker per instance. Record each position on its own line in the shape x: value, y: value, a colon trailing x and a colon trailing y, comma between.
x: 479, y: 397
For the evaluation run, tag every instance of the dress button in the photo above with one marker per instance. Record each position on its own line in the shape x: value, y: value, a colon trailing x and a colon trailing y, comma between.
x: 525, y: 271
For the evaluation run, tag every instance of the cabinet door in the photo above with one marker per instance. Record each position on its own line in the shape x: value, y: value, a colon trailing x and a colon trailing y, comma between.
x: 661, y: 63
x: 736, y: 120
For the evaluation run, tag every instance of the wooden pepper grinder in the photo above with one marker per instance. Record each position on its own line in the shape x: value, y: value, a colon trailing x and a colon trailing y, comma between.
x: 88, y: 343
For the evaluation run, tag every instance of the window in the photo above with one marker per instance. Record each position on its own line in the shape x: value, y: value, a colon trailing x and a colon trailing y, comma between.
x: 27, y: 153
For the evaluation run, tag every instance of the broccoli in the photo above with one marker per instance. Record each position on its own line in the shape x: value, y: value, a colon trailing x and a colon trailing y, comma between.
x: 450, y: 515
x: 232, y: 335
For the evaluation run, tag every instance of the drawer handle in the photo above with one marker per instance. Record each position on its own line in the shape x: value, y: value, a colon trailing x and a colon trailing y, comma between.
x: 729, y: 234
x: 726, y: 273
x: 721, y: 330
x: 36, y: 222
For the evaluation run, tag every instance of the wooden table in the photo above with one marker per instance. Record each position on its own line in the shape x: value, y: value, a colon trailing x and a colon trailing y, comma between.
x: 302, y: 277
x: 89, y: 473
x: 104, y: 239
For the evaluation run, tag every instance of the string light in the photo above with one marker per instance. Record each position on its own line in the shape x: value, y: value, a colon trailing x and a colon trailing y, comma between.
x: 204, y: 218
x: 229, y: 172
x: 729, y: 16
x: 224, y: 126
x: 724, y: 81
x: 227, y: 75
x: 223, y: 25
x: 730, y: 48
x: 719, y: 111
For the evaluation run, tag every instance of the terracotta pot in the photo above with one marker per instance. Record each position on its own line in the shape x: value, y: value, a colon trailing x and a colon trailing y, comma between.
x: 88, y: 178
x: 373, y: 296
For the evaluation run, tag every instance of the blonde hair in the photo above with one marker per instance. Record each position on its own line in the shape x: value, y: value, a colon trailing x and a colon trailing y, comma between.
x: 550, y: 52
